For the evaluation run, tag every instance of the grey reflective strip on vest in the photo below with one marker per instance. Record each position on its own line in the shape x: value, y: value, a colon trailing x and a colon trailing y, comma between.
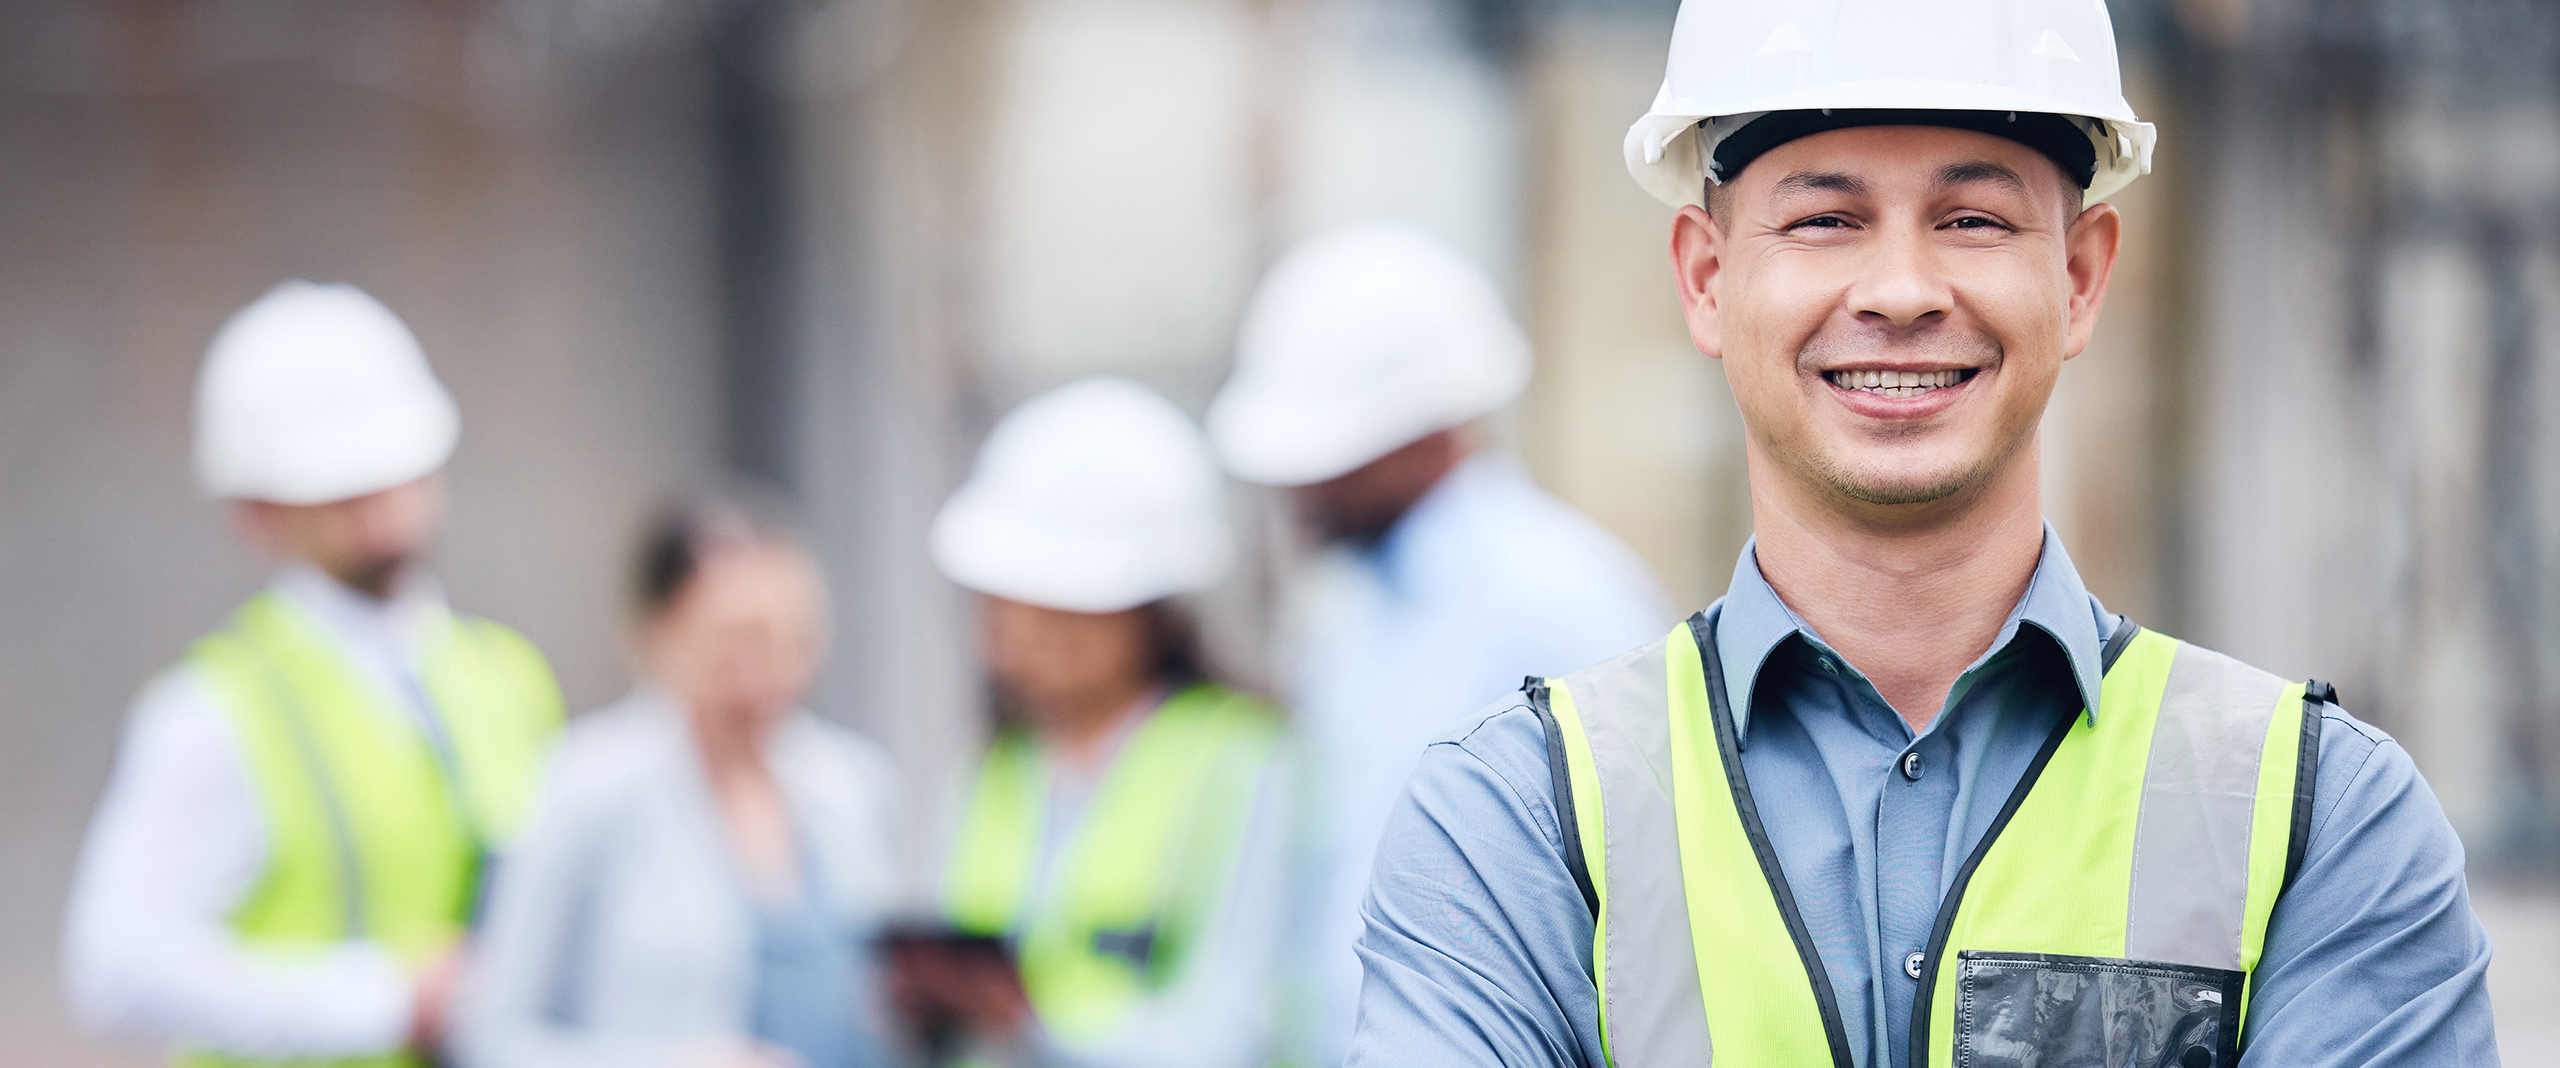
x: 342, y: 835
x: 1657, y: 1013
x: 2199, y: 799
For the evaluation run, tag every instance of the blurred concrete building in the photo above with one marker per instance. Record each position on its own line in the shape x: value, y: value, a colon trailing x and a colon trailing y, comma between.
x: 827, y: 241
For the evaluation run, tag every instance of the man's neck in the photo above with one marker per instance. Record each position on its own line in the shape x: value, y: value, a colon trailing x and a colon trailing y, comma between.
x: 1910, y: 600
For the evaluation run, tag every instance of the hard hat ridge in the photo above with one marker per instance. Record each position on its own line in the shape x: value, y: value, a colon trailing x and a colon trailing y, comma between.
x: 316, y: 393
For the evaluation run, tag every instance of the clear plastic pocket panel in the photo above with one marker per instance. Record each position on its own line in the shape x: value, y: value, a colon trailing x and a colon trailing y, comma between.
x: 2038, y: 1010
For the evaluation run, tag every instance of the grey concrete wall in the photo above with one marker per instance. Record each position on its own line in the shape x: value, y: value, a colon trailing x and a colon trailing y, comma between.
x: 539, y: 219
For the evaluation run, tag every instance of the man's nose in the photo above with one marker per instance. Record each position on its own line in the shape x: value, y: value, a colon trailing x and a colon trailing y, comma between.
x: 1903, y: 284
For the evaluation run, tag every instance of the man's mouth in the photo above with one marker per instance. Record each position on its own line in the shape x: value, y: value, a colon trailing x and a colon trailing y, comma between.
x: 1900, y: 385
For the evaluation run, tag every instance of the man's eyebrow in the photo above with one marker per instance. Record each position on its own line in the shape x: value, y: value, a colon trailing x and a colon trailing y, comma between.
x: 1825, y: 181
x: 1979, y: 170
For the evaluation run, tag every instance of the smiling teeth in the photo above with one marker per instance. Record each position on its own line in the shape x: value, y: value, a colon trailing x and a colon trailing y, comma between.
x: 1898, y: 384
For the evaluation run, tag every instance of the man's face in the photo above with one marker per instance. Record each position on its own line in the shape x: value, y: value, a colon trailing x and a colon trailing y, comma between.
x: 1361, y: 505
x: 1893, y: 304
x: 364, y: 542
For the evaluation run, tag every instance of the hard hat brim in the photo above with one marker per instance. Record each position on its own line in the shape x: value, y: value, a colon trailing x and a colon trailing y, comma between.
x: 990, y: 548
x: 1271, y: 435
x: 334, y: 460
x: 1663, y: 149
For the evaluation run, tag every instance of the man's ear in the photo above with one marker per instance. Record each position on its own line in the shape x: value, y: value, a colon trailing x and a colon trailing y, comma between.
x: 2090, y: 248
x: 1697, y: 256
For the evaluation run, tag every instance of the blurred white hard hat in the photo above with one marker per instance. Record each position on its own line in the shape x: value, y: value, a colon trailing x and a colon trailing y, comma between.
x: 1736, y: 61
x: 318, y: 393
x: 1094, y: 497
x: 1361, y: 341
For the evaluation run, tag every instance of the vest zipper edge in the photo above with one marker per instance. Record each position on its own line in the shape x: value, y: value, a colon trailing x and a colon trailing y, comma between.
x: 1729, y: 752
x: 1923, y: 1005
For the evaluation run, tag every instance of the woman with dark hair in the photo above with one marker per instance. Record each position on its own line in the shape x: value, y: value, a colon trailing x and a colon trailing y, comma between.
x: 701, y: 880
x: 1124, y: 836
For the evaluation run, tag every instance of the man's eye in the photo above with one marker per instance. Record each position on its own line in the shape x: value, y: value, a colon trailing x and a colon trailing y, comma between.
x: 1828, y: 222
x: 1974, y: 222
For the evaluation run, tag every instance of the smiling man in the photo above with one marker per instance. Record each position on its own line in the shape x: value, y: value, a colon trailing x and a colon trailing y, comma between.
x: 1908, y: 794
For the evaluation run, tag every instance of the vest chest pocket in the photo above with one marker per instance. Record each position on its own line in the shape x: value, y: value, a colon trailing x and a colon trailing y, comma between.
x: 2040, y: 1010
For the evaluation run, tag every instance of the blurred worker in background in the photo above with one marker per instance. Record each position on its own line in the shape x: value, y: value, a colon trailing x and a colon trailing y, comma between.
x: 1127, y: 831
x: 1908, y: 794
x: 698, y: 885
x: 1362, y: 361
x: 296, y: 832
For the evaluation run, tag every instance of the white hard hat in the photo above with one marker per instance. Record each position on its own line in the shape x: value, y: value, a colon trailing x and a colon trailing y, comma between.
x: 1094, y: 497
x: 1737, y: 61
x: 318, y: 393
x: 1363, y: 340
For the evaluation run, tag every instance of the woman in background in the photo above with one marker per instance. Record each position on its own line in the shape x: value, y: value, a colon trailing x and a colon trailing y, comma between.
x: 701, y: 880
x: 1126, y: 832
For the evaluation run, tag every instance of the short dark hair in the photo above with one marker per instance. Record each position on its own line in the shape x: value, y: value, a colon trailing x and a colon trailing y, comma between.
x: 693, y: 526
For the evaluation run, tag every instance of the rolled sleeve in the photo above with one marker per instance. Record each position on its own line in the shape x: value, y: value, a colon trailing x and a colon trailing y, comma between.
x: 1476, y: 944
x: 2373, y: 957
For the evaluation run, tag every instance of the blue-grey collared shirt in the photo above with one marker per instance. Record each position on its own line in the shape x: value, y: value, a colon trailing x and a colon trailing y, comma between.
x: 1477, y: 945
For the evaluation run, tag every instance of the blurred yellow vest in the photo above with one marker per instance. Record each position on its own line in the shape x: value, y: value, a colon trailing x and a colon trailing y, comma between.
x: 375, y: 830
x: 1134, y: 880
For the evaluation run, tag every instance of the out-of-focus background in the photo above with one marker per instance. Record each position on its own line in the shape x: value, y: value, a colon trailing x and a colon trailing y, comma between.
x: 827, y: 241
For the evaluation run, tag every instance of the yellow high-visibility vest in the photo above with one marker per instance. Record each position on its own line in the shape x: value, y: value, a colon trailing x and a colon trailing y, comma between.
x: 2111, y: 915
x: 1138, y: 876
x: 375, y: 830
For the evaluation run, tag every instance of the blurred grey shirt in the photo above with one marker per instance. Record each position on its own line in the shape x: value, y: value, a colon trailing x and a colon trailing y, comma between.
x: 1487, y: 578
x: 1478, y: 942
x: 179, y: 841
x: 620, y: 932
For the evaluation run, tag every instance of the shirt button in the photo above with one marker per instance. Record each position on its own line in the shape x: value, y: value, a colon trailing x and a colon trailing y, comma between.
x: 1911, y: 964
x: 1829, y: 668
x: 1911, y: 765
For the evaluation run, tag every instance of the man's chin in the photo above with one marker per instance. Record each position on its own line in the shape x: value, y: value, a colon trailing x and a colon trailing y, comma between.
x: 1894, y: 494
x: 377, y: 577
x: 1898, y: 485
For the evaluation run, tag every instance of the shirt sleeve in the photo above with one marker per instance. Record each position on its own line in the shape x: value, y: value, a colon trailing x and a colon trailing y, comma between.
x: 2373, y: 957
x: 148, y: 952
x: 1477, y: 944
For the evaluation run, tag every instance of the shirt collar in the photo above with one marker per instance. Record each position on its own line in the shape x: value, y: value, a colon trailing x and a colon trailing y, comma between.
x: 1751, y: 622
